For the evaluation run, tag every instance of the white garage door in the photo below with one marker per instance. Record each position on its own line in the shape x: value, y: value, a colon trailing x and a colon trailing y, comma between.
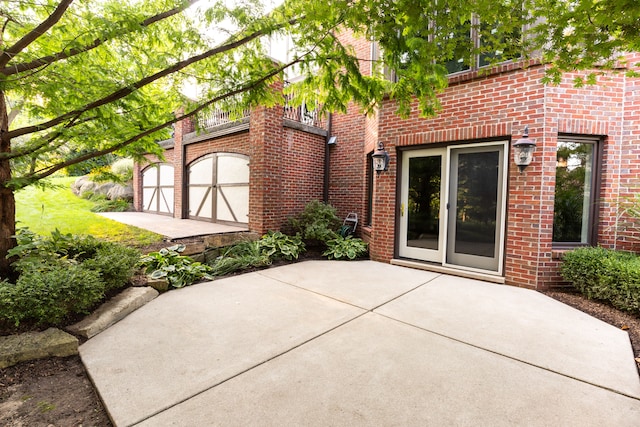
x: 219, y: 188
x: 157, y: 189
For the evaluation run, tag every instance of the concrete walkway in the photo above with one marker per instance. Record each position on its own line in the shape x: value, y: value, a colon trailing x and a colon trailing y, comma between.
x: 329, y: 343
x: 170, y: 227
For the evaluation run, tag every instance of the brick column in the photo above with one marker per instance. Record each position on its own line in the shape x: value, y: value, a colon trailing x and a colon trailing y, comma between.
x: 265, y: 136
x: 181, y: 128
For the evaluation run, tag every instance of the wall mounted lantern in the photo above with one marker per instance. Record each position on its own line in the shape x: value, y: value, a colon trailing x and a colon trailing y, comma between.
x: 523, y: 150
x: 380, y: 159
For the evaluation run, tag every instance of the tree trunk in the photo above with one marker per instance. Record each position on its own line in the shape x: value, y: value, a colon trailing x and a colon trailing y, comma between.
x: 7, y: 198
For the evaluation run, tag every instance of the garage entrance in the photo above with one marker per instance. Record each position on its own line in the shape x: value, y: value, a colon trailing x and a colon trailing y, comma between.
x: 218, y: 188
x: 157, y: 189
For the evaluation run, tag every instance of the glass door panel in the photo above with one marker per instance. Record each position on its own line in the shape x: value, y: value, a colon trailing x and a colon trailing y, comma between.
x: 475, y: 207
x: 421, y: 207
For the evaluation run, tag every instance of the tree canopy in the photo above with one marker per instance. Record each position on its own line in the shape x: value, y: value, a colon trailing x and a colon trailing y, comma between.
x: 83, y: 78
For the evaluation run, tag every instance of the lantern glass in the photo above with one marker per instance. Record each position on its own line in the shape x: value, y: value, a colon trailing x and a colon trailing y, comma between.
x: 523, y: 154
x: 378, y: 164
x: 380, y: 159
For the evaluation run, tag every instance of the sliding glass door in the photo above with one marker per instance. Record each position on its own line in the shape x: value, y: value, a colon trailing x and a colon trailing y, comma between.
x: 452, y: 206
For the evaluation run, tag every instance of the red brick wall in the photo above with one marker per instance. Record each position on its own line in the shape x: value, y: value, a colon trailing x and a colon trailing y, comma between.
x: 627, y: 230
x: 499, y: 106
x: 302, y: 171
x: 236, y: 143
x: 356, y: 136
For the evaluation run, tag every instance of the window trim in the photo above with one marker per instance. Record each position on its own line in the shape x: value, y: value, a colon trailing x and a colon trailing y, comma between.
x: 594, y: 209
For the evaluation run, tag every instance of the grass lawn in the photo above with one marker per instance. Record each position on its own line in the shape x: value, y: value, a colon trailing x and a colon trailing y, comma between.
x: 42, y: 211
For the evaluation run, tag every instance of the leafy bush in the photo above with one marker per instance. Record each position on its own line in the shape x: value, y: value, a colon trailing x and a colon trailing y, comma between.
x: 345, y: 247
x: 106, y: 205
x: 120, y: 172
x: 178, y: 270
x: 62, y: 275
x: 605, y: 274
x: 115, y: 263
x: 241, y: 256
x: 280, y: 246
x: 49, y: 295
x: 318, y: 221
x: 87, y: 166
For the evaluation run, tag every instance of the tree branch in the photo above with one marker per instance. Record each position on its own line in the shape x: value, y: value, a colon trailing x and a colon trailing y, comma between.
x: 121, y: 93
x: 46, y: 60
x: 44, y: 141
x: 34, y: 34
x: 43, y: 173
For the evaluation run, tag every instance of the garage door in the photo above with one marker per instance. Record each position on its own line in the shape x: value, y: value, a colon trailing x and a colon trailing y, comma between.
x: 157, y: 189
x: 219, y: 188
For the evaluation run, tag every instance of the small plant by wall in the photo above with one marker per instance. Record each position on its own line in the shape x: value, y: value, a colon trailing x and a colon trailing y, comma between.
x: 178, y: 270
x: 605, y: 274
x: 317, y: 223
x: 345, y: 248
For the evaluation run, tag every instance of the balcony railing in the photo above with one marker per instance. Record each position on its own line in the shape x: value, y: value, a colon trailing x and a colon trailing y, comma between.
x: 305, y: 115
x: 301, y: 114
x: 216, y: 118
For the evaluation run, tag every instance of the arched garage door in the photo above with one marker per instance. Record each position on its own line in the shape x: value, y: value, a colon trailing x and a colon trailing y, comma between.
x: 157, y: 189
x: 219, y: 188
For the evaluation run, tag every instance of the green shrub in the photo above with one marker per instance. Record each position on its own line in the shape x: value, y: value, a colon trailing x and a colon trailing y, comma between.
x: 317, y: 222
x: 33, y: 250
x: 115, y: 263
x: 345, y: 247
x: 49, y: 295
x: 280, y: 246
x: 62, y: 275
x: 241, y: 256
x: 178, y: 270
x: 117, y: 205
x: 606, y: 275
x: 120, y: 172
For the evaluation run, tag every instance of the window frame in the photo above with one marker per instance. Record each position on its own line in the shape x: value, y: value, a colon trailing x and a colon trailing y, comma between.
x: 595, y: 196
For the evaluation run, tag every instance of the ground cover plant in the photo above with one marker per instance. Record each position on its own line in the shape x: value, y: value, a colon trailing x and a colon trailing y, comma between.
x: 178, y: 270
x: 606, y: 275
x: 347, y: 247
x: 44, y: 210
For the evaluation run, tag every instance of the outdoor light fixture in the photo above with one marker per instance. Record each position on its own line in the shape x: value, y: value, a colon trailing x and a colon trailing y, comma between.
x: 380, y: 159
x: 523, y: 150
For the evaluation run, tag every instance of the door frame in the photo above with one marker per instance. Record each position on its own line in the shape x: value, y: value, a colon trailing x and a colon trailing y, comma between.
x: 445, y: 194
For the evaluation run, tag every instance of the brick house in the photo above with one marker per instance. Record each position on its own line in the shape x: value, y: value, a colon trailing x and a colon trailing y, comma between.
x: 452, y: 199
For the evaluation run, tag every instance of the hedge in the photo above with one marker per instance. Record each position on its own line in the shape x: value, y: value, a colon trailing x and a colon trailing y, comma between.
x: 605, y: 274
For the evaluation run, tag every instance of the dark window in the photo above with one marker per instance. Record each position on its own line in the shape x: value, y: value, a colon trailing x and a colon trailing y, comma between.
x: 574, y: 211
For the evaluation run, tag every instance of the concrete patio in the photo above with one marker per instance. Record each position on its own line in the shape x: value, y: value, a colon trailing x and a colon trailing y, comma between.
x: 172, y: 228
x: 321, y: 343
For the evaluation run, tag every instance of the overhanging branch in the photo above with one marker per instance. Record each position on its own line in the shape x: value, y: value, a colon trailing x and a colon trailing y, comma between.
x: 49, y: 59
x: 34, y: 34
x: 123, y: 92
x: 43, y: 173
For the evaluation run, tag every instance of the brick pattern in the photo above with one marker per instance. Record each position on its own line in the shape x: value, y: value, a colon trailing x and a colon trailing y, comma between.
x: 498, y: 106
x: 357, y: 134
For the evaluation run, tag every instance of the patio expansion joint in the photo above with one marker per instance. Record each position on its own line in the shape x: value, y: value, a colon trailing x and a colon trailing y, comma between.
x: 348, y: 303
x: 211, y: 387
x: 637, y: 398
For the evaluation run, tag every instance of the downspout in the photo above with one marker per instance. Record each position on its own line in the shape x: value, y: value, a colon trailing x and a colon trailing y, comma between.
x: 327, y: 153
x: 184, y: 214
